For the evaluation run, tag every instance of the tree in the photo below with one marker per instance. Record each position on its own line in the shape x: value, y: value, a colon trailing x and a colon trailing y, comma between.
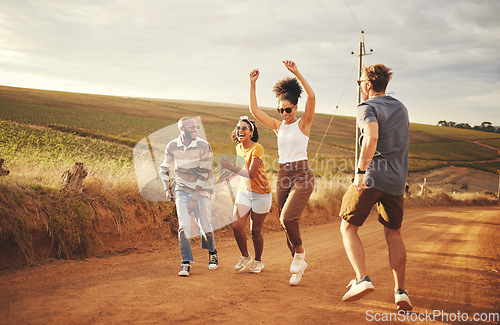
x: 463, y: 126
x: 487, y: 126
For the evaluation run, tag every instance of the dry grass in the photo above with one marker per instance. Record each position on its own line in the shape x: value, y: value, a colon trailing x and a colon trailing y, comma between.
x: 109, y: 213
x: 442, y: 198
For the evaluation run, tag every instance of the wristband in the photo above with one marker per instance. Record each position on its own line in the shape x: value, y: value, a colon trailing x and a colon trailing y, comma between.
x: 359, y: 171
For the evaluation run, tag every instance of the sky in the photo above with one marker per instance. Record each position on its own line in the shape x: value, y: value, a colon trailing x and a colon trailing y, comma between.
x: 444, y: 54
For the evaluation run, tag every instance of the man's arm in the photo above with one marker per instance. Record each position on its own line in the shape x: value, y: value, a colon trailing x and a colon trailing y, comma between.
x: 204, y: 172
x: 368, y: 148
x: 205, y: 165
x: 166, y: 167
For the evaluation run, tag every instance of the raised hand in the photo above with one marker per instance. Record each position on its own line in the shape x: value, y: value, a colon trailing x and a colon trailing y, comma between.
x: 291, y: 66
x: 254, y: 75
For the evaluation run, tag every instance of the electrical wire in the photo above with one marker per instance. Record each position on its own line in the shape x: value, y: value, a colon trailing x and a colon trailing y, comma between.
x: 334, y: 113
x: 352, y: 70
x: 415, y: 86
x: 333, y: 23
x: 355, y: 20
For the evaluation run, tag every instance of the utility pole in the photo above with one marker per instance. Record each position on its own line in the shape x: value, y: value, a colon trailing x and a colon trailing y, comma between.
x: 361, y: 53
x: 498, y: 192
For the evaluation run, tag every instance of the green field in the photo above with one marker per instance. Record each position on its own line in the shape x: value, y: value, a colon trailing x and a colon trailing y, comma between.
x: 455, y: 133
x: 451, y: 151
x: 61, y: 125
x: 19, y: 138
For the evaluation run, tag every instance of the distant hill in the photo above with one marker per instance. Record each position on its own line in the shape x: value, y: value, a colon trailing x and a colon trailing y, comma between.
x: 126, y: 120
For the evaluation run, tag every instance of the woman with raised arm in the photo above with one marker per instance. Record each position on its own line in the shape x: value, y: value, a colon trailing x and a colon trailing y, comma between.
x: 295, y: 180
x: 254, y: 196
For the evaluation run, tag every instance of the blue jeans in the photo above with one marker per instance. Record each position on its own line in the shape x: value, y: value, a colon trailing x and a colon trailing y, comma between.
x: 202, y: 217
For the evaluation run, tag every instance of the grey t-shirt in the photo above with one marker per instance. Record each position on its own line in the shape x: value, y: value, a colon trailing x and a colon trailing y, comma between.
x: 388, y: 169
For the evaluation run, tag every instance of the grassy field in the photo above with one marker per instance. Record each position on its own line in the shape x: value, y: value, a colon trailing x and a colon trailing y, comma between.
x: 127, y: 120
x: 43, y: 133
x: 454, y: 133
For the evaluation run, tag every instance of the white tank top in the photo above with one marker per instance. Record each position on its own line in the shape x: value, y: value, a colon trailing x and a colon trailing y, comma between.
x: 292, y: 143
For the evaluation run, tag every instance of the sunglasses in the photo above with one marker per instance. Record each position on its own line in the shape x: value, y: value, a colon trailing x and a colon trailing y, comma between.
x: 192, y: 127
x: 242, y: 128
x: 360, y: 81
x: 288, y: 109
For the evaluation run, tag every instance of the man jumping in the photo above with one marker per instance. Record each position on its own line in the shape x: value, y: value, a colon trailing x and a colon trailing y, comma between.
x: 380, y: 179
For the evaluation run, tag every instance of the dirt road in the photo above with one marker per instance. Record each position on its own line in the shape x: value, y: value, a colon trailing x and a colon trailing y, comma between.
x: 453, y: 265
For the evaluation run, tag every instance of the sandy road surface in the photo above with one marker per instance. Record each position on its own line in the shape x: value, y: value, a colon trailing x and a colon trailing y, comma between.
x: 453, y: 264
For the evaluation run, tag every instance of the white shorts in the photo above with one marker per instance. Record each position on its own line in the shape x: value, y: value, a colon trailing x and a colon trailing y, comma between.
x: 257, y: 202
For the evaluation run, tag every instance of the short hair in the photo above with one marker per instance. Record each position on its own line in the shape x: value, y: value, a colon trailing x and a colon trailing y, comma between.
x: 253, y: 127
x: 181, y: 121
x: 288, y: 89
x: 379, y: 75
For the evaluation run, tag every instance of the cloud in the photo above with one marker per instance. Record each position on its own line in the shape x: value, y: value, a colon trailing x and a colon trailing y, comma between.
x: 443, y: 53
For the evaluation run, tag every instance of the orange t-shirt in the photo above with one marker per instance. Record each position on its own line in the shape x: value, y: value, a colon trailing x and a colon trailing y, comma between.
x: 259, y: 183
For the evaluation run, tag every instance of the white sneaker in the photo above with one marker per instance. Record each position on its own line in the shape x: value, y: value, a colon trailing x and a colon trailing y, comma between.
x: 358, y: 289
x: 185, y: 268
x: 298, y: 263
x: 256, y: 267
x: 402, y: 300
x: 242, y: 263
x: 296, y: 277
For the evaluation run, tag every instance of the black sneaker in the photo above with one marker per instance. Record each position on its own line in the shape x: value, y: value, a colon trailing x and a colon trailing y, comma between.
x: 213, y: 260
x: 185, y: 269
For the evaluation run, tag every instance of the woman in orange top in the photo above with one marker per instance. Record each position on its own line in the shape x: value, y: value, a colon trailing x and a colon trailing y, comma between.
x: 254, y: 195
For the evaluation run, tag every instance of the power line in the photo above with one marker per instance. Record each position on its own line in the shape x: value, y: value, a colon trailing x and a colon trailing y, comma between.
x: 334, y: 112
x: 359, y: 26
x: 331, y: 21
x: 423, y: 93
x: 361, y: 53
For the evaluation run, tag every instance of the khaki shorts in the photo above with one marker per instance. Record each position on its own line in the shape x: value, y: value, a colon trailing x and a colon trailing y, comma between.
x: 357, y: 206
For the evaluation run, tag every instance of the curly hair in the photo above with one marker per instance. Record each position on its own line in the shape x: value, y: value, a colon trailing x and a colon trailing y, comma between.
x: 288, y: 89
x: 379, y: 75
x: 253, y: 126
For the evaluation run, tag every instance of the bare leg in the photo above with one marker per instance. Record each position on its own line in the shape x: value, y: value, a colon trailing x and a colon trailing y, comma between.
x: 354, y: 248
x: 397, y: 256
x: 257, y: 222
x: 241, y: 213
x: 299, y: 249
